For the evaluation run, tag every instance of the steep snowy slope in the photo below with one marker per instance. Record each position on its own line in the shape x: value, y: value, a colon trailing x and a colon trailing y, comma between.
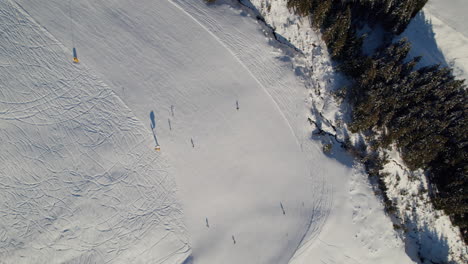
x: 78, y: 183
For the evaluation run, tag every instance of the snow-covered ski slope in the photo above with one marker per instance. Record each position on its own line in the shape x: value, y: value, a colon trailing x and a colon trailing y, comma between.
x: 355, y: 229
x: 244, y: 162
x: 253, y: 187
x: 78, y: 183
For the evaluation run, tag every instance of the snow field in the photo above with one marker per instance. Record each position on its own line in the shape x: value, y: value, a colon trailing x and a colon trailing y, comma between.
x: 243, y: 164
x: 78, y: 182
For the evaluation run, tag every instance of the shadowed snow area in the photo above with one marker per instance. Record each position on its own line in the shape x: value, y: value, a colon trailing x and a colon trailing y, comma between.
x: 439, y: 33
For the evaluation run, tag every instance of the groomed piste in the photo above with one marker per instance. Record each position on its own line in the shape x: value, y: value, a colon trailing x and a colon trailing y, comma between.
x: 237, y: 178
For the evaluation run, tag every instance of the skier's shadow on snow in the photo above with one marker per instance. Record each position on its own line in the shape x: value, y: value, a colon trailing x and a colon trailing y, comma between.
x: 153, y: 121
x: 153, y: 126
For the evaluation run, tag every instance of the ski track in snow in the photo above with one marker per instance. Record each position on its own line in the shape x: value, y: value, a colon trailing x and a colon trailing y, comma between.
x: 189, y: 64
x: 278, y: 81
x: 142, y: 56
x: 77, y: 181
x: 453, y: 14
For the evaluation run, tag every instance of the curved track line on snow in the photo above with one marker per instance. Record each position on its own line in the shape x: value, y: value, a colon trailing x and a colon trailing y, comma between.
x: 323, y: 198
x: 110, y: 93
x: 324, y: 213
x: 66, y: 51
x: 243, y: 66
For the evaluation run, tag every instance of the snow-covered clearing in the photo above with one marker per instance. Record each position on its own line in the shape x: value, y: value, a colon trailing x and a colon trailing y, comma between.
x: 452, y: 12
x: 440, y: 34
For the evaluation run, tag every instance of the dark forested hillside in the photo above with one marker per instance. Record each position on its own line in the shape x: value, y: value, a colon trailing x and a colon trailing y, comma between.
x: 422, y: 112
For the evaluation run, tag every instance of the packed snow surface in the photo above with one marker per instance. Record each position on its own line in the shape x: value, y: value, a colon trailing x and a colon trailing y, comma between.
x: 82, y: 183
x: 78, y: 182
x: 452, y: 12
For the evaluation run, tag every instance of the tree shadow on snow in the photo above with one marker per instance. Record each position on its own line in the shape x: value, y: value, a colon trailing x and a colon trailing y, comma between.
x: 423, y: 244
x: 427, y: 246
x: 188, y: 260
x: 421, y: 35
x: 326, y: 133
